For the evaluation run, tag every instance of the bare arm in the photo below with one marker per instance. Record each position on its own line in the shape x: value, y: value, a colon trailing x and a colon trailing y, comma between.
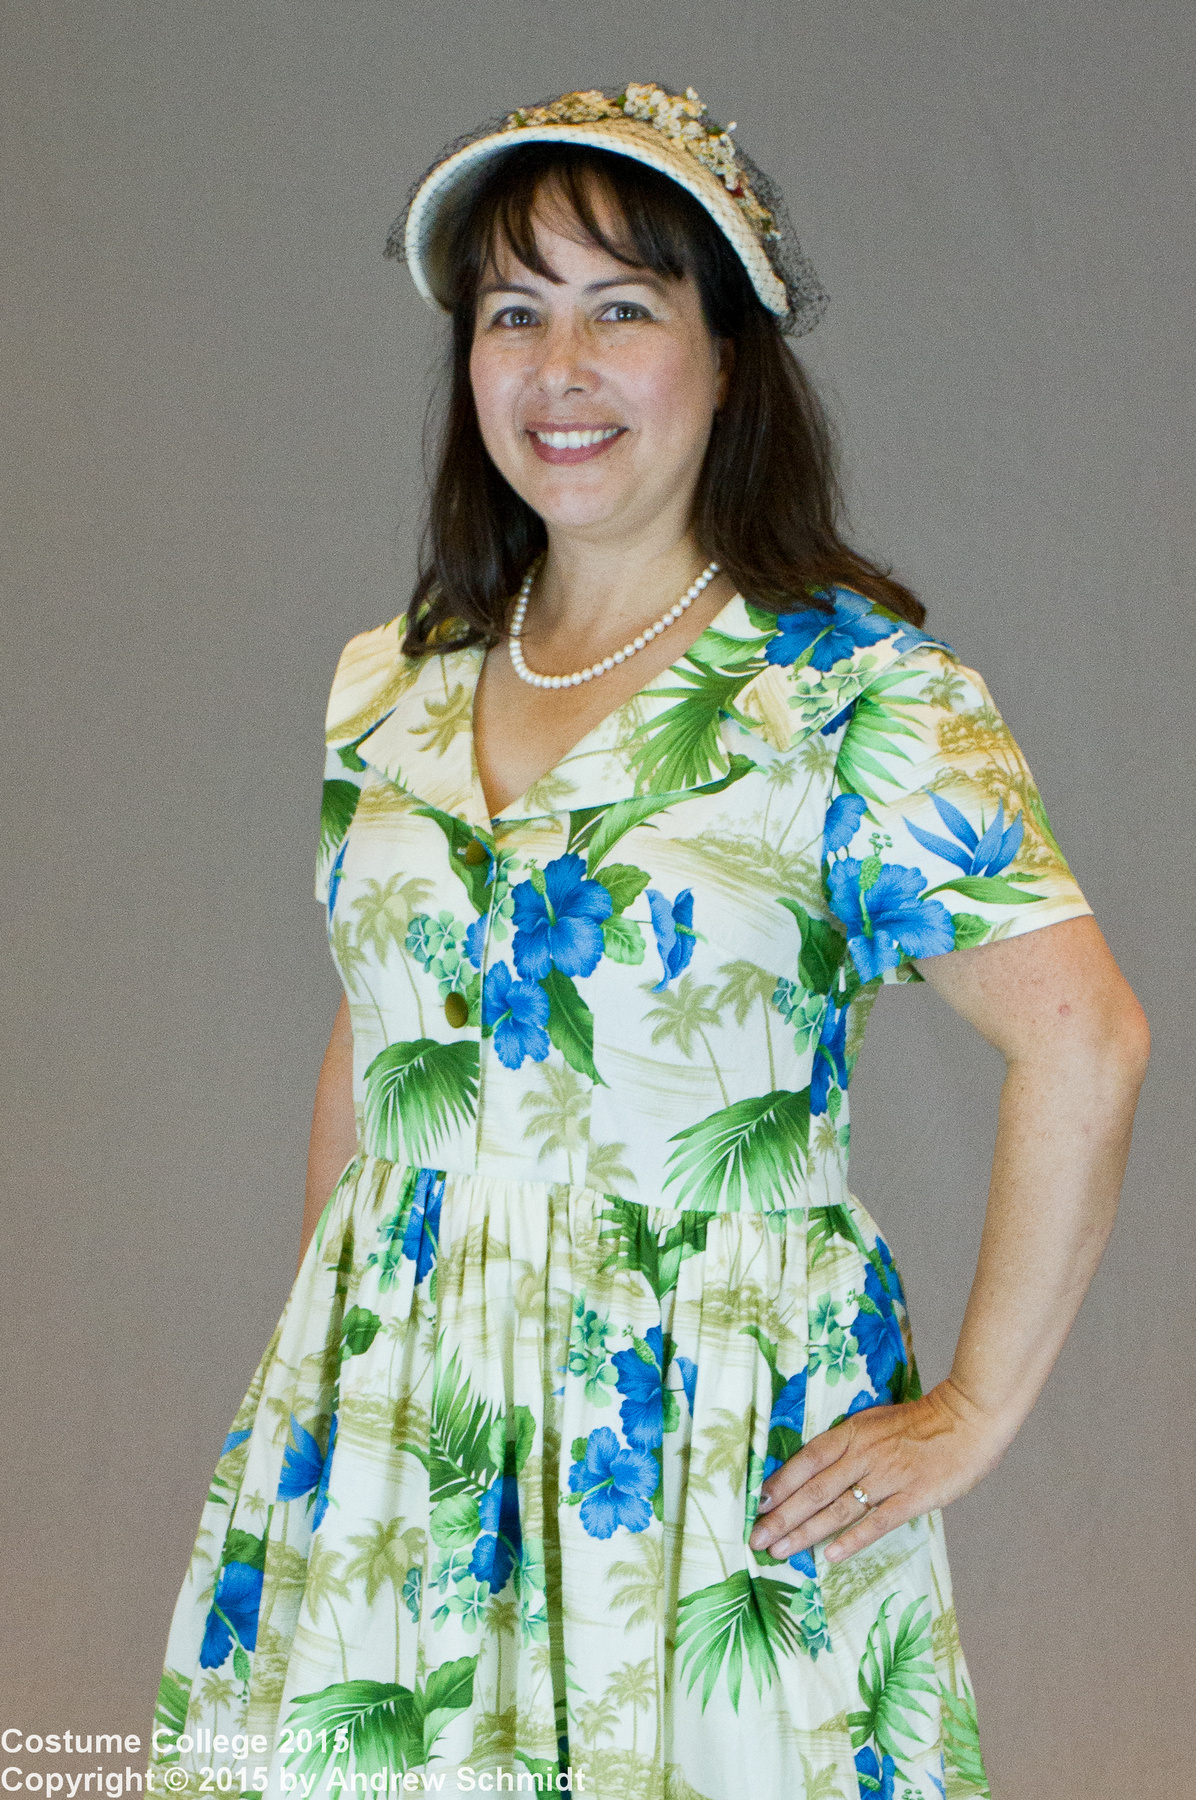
x: 333, y: 1139
x: 1075, y: 1043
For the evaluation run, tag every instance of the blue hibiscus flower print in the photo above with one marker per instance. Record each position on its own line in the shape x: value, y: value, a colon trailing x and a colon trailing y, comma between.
x: 617, y: 1482
x: 876, y: 1779
x: 517, y: 1013
x: 306, y: 1468
x: 562, y: 927
x: 422, y: 1235
x: 843, y: 817
x: 673, y: 925
x: 475, y: 938
x: 830, y: 1057
x: 233, y: 1439
x: 854, y: 625
x: 497, y: 1549
x: 238, y: 1598
x: 840, y: 719
x: 789, y: 1410
x: 640, y: 1383
x: 887, y: 917
x: 975, y: 855
x: 878, y: 1333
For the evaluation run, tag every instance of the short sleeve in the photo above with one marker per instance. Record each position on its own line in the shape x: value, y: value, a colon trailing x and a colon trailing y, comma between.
x: 368, y: 676
x: 338, y: 803
x: 936, y: 837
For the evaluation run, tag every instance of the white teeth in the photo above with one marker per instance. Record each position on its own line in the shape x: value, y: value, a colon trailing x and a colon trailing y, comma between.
x: 576, y: 440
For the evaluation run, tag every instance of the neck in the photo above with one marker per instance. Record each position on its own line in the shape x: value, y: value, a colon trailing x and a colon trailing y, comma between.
x: 583, y: 585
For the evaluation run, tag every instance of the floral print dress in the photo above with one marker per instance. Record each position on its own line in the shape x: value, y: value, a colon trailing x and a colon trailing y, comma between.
x: 482, y: 1516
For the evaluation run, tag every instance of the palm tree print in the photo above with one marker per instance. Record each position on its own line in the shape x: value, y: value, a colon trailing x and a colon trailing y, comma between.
x: 445, y: 718
x: 385, y: 909
x: 632, y: 1688
x: 684, y: 1013
x: 324, y: 1584
x: 558, y: 1113
x: 554, y: 1414
x: 745, y: 985
x: 384, y: 1555
x: 638, y: 1594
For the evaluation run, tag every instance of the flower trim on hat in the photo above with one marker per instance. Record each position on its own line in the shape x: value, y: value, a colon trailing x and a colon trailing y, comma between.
x: 682, y: 118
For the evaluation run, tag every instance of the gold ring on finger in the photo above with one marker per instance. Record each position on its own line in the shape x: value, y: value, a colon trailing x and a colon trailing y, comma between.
x: 862, y: 1497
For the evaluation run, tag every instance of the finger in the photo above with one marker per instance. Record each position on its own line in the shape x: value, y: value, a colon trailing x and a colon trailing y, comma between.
x: 805, y: 1502
x: 819, y: 1454
x: 844, y: 1511
x: 883, y: 1518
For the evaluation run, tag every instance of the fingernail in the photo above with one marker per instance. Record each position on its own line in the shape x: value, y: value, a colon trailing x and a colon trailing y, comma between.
x: 766, y: 1500
x: 834, y: 1554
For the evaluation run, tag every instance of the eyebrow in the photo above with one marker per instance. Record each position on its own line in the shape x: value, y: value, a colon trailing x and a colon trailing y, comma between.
x: 646, y: 279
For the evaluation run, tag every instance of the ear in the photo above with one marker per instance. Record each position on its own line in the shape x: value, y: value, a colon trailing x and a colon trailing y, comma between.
x: 726, y: 363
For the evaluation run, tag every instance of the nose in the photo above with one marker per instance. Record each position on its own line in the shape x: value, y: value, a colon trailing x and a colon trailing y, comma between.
x: 565, y: 366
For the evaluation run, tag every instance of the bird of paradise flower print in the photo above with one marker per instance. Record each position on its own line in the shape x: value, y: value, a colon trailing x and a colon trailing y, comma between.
x: 596, y: 1270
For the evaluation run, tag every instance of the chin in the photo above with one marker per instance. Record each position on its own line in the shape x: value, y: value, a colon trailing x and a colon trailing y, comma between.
x: 573, y: 505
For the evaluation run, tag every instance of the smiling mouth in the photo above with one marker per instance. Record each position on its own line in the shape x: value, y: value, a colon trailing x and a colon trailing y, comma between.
x: 576, y: 440
x: 568, y: 444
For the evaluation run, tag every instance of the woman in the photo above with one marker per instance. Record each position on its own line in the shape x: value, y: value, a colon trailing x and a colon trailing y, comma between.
x: 590, y: 1449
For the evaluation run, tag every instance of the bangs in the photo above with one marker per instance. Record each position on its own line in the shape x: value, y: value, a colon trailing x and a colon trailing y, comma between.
x: 652, y: 222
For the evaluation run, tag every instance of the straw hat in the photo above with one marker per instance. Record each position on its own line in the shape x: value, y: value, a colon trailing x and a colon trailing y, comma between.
x: 668, y: 132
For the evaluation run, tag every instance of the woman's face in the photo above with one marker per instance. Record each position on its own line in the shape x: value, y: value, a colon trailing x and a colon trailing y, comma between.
x: 595, y: 393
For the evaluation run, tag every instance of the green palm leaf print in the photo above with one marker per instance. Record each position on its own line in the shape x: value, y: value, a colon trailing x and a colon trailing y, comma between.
x: 748, y: 1151
x: 595, y: 830
x: 170, y: 1714
x: 893, y: 1672
x: 463, y: 1454
x: 874, y: 725
x: 827, y: 1222
x: 384, y: 1723
x: 337, y: 807
x: 961, y: 1740
x: 638, y: 1246
x: 682, y: 747
x: 744, y: 1616
x: 468, y: 853
x: 416, y: 1093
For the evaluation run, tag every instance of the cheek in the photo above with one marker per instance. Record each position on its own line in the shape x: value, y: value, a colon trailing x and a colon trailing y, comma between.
x: 673, y: 387
x: 493, y: 384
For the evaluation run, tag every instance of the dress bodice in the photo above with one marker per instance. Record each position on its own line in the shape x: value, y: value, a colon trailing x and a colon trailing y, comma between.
x: 650, y: 973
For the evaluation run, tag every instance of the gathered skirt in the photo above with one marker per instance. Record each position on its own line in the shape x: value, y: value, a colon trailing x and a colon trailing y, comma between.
x: 480, y: 1523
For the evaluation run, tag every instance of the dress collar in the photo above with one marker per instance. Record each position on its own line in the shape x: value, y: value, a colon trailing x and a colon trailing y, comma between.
x: 411, y: 719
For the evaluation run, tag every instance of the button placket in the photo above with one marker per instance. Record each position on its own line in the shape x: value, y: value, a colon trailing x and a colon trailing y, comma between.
x: 485, y: 1044
x: 469, y: 852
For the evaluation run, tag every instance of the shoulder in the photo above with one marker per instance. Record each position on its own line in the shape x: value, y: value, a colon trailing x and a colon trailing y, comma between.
x: 371, y: 674
x: 856, y: 631
x: 819, y: 663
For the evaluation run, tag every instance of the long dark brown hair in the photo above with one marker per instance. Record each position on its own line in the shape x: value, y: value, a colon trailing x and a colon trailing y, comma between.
x: 768, y: 506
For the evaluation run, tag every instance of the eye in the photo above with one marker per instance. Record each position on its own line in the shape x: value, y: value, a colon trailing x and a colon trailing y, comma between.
x: 514, y: 318
x: 621, y: 312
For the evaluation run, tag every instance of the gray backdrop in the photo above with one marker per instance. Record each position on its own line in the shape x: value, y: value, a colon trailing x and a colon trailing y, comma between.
x: 214, y: 394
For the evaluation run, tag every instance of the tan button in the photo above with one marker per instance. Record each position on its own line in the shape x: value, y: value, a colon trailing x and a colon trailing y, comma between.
x: 456, y: 1011
x: 475, y: 853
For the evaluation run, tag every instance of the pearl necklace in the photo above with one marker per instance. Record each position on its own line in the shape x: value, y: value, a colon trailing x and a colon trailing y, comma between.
x: 608, y: 662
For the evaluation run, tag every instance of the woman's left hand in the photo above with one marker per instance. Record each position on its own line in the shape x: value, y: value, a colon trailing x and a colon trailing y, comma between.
x: 907, y: 1458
